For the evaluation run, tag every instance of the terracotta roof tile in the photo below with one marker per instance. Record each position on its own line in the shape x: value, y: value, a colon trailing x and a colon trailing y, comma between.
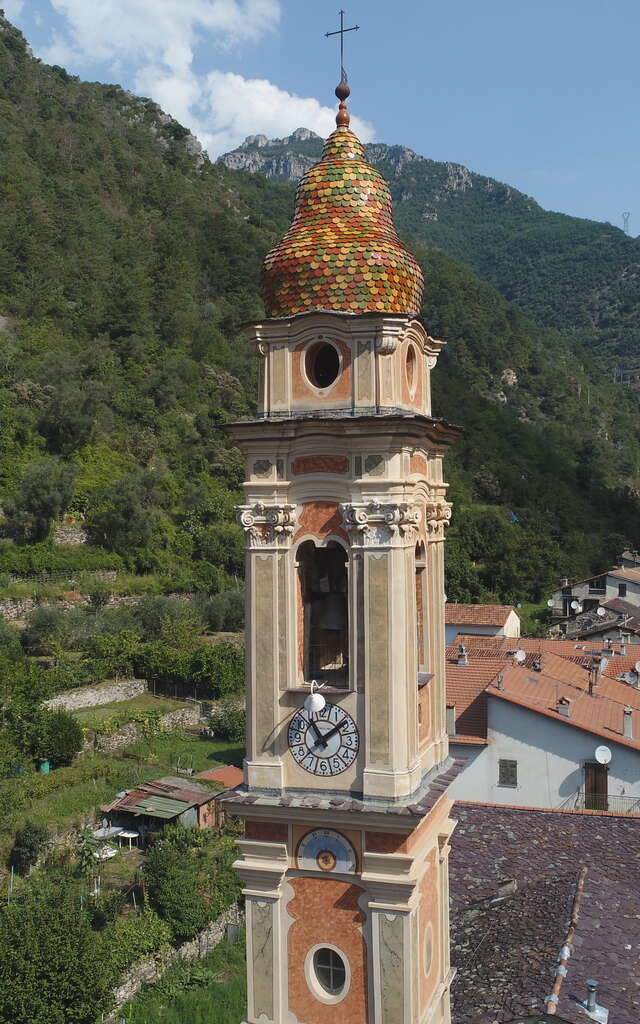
x: 466, y: 686
x: 477, y: 614
x: 600, y: 713
x: 229, y: 776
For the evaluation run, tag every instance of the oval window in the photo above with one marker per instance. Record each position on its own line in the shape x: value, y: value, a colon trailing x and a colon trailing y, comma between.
x: 322, y: 364
x: 411, y: 368
x: 330, y: 970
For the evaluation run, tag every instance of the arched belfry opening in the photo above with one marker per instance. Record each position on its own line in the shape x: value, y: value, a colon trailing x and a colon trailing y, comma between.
x: 323, y: 615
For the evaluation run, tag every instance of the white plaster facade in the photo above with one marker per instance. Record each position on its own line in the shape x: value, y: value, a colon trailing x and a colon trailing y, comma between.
x: 510, y: 627
x: 550, y: 755
x: 623, y: 583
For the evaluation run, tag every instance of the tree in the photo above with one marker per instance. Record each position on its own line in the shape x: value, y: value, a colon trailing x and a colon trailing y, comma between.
x: 173, y: 890
x: 54, y: 969
x: 59, y: 737
x: 45, y: 492
x: 29, y: 843
x: 117, y: 651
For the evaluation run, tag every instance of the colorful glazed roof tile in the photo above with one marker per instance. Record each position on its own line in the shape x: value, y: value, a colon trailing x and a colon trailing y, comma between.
x: 342, y: 251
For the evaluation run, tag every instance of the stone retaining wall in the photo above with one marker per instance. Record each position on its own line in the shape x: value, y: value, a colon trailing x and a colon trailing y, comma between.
x: 148, y: 971
x: 93, y: 696
x: 129, y: 733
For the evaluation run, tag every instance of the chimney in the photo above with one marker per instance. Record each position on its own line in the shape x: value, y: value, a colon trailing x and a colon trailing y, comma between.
x: 592, y: 994
x: 462, y: 655
x: 564, y: 707
x: 627, y: 729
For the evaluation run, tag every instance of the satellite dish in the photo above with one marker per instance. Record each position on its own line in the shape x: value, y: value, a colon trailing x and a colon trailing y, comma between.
x: 603, y: 664
x: 575, y: 605
x: 550, y: 603
x: 603, y: 755
x: 637, y: 667
x: 444, y: 598
x: 601, y: 612
x: 520, y: 656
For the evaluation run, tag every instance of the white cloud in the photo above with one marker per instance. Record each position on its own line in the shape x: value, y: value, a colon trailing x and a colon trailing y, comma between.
x: 157, y: 39
x: 12, y: 8
x: 239, y: 107
x: 164, y: 31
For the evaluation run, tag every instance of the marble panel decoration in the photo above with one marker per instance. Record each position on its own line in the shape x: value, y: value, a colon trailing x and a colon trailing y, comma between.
x: 262, y: 944
x: 391, y: 957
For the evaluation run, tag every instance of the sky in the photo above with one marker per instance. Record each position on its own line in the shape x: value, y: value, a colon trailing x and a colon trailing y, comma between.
x: 541, y: 96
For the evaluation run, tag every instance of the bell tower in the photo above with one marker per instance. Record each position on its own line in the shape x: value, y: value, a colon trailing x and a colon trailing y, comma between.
x: 344, y: 860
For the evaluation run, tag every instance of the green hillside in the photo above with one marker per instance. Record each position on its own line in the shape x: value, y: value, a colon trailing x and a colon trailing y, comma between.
x: 127, y: 264
x: 580, y: 276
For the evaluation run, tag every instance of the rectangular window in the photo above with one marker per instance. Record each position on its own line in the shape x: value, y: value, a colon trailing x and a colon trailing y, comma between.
x: 598, y: 585
x: 622, y: 589
x: 451, y: 721
x: 508, y: 774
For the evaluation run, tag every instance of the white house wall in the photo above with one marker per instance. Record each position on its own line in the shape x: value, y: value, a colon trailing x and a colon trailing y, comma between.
x: 452, y: 629
x: 550, y: 756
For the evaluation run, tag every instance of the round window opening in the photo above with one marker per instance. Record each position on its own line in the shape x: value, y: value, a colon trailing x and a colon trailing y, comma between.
x: 411, y: 368
x: 322, y: 365
x: 330, y: 970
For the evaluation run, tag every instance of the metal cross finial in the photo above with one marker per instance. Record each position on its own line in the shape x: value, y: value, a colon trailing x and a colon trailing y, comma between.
x: 341, y: 32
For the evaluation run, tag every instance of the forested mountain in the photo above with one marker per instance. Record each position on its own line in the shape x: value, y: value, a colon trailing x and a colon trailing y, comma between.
x: 580, y: 276
x: 127, y: 263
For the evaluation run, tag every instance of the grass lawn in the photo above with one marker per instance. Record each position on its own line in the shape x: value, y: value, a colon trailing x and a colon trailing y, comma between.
x: 210, y: 991
x: 188, y: 750
x: 91, y: 717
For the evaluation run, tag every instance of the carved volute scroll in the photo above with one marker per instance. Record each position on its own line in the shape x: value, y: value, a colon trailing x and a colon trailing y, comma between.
x: 267, y: 524
x: 377, y: 523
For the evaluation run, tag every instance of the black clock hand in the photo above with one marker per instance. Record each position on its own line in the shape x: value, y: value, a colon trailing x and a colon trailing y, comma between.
x: 332, y: 732
x: 320, y: 737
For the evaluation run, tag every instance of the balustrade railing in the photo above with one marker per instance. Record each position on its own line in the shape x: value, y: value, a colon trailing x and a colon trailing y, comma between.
x: 582, y: 801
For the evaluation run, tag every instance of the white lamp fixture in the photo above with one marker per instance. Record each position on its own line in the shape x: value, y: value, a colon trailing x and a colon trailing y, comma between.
x: 315, y: 702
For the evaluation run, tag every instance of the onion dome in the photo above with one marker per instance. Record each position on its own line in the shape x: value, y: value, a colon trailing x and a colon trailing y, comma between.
x: 342, y: 251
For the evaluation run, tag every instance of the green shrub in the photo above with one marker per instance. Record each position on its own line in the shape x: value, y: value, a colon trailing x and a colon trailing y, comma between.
x: 229, y: 720
x: 59, y: 739
x: 29, y: 843
x: 54, y: 968
x: 174, y: 892
x: 132, y: 937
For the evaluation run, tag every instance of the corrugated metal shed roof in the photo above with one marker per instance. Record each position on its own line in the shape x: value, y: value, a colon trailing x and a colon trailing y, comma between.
x: 161, y: 807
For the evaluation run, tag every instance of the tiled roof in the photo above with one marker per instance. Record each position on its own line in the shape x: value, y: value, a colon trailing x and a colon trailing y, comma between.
x: 228, y: 776
x: 543, y: 850
x: 342, y: 251
x: 168, y: 797
x: 600, y: 713
x: 559, y: 675
x: 477, y: 614
x: 631, y: 574
x: 466, y: 686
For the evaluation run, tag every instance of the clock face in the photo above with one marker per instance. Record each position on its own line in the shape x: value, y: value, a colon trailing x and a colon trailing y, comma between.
x: 326, y: 850
x: 324, y: 742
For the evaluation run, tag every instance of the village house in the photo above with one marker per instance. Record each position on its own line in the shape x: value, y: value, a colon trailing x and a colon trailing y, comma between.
x: 620, y: 581
x: 545, y: 727
x: 480, y: 620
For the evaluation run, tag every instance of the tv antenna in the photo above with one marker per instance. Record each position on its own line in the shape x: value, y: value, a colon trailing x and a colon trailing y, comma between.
x: 625, y: 221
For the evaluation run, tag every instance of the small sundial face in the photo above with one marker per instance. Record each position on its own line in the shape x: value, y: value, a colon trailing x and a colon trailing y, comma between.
x: 326, y: 850
x: 324, y: 742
